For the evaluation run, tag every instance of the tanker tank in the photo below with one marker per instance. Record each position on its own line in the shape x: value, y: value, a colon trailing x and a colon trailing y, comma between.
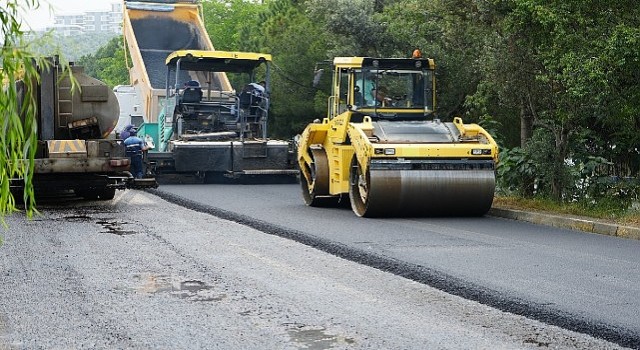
x: 94, y: 111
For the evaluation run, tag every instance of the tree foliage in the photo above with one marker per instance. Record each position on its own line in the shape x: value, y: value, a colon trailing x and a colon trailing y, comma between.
x: 18, y: 136
x: 555, y: 80
x: 71, y: 47
x: 569, y: 76
x: 107, y: 64
x: 296, y: 44
x: 231, y: 24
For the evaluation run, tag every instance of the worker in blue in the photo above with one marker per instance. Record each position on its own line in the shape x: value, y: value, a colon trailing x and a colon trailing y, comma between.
x: 135, y: 147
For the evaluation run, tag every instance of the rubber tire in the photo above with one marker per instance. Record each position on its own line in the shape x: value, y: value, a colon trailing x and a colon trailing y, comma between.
x: 358, y: 206
x: 319, y: 196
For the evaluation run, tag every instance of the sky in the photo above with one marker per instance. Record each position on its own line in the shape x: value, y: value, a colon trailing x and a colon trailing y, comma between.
x: 42, y: 17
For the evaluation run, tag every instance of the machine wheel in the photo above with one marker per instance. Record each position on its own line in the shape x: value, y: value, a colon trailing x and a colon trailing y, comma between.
x: 316, y: 194
x: 384, y: 193
x: 360, y: 190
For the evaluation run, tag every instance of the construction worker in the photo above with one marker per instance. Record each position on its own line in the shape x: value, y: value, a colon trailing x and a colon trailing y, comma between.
x: 135, y: 147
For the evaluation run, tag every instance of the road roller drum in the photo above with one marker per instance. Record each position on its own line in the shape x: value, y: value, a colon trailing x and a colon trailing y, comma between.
x: 393, y: 193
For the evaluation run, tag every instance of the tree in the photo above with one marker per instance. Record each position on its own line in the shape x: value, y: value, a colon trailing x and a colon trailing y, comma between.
x: 567, y: 67
x: 18, y: 107
x: 350, y: 27
x: 557, y: 76
x: 72, y: 47
x: 577, y: 70
x: 230, y: 23
x: 108, y: 64
x: 446, y: 31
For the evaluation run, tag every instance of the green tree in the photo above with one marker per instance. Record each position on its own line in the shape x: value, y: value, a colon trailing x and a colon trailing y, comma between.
x: 231, y: 23
x: 351, y: 27
x: 564, y: 66
x: 72, y: 47
x: 108, y: 63
x: 18, y: 104
x: 561, y: 71
x: 297, y: 43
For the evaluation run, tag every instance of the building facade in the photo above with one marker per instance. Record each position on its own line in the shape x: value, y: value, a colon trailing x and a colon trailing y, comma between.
x: 108, y: 21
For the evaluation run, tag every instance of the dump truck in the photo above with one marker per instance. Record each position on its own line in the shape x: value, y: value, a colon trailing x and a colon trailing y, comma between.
x: 74, y: 150
x: 197, y: 107
x: 382, y: 149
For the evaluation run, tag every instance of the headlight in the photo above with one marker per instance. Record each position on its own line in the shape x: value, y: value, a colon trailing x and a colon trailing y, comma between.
x: 480, y: 152
x: 385, y: 151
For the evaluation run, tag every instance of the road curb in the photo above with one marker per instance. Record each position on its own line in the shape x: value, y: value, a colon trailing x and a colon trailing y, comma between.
x: 586, y: 225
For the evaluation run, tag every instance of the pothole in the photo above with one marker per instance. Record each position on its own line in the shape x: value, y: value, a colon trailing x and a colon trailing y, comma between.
x: 78, y: 218
x: 115, y: 227
x: 190, y: 289
x: 315, y: 337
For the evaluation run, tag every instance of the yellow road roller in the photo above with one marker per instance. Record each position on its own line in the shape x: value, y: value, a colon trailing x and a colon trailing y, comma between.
x: 382, y: 149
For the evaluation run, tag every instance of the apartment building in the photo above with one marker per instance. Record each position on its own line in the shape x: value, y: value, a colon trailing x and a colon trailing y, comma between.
x: 108, y: 21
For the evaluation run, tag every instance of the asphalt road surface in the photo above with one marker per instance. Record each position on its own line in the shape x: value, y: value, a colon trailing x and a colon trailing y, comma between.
x: 140, y: 273
x: 584, y: 282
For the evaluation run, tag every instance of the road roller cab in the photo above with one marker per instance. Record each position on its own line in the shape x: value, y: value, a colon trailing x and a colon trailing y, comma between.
x: 381, y: 148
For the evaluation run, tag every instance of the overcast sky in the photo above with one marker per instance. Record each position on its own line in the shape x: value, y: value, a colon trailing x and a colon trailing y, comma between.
x: 42, y: 17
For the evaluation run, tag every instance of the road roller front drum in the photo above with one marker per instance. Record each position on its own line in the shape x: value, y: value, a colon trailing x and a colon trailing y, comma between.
x: 421, y: 188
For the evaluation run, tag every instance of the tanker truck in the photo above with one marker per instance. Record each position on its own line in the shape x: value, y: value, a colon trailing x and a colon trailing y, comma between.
x: 74, y: 152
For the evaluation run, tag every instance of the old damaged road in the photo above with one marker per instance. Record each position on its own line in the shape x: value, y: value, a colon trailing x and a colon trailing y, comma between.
x: 140, y: 272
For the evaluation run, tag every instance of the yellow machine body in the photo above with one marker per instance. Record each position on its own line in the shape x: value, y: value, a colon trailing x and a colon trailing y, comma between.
x: 392, y: 157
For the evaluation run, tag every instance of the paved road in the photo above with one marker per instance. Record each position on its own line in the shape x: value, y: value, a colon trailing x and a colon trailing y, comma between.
x: 141, y: 273
x: 584, y: 282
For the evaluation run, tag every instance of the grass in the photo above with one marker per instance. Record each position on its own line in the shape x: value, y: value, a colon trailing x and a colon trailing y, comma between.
x: 608, y: 211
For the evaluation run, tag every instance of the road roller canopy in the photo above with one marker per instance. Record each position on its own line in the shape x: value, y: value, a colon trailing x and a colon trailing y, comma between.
x: 200, y: 65
x: 217, y: 61
x: 384, y: 87
x: 384, y: 63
